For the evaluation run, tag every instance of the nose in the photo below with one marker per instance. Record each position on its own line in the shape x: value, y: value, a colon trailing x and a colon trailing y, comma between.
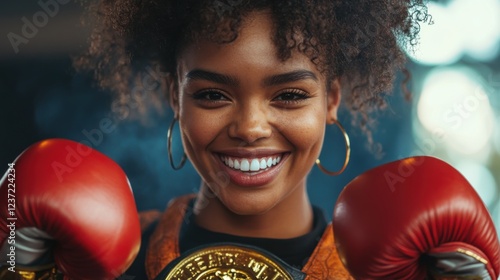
x: 250, y: 123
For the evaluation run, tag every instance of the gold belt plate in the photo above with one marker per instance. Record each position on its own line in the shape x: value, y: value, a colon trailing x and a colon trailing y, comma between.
x: 227, y: 262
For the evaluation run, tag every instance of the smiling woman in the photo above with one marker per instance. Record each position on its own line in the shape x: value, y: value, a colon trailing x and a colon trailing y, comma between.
x: 258, y: 107
x: 253, y: 84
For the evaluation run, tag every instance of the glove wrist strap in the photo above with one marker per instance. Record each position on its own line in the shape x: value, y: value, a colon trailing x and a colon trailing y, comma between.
x: 46, y: 272
x: 458, y: 260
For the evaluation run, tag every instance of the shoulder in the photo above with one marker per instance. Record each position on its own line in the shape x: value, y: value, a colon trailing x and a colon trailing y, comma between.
x: 156, y: 236
x: 325, y: 262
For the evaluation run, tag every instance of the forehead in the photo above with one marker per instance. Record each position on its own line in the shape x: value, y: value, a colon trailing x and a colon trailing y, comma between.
x: 254, y: 48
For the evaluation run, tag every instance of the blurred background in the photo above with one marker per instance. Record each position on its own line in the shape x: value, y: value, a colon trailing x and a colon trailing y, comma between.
x: 454, y: 113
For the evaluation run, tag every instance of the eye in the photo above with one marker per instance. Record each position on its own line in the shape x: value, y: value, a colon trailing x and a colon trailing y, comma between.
x: 292, y: 96
x: 210, y: 95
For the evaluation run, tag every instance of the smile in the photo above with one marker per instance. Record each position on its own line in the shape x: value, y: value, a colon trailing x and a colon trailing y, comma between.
x: 251, y: 164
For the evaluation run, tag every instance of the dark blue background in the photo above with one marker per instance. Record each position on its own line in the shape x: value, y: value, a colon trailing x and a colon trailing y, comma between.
x: 43, y: 97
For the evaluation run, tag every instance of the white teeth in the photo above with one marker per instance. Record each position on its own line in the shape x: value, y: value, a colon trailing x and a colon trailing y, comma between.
x: 262, y: 164
x: 245, y: 165
x: 253, y: 164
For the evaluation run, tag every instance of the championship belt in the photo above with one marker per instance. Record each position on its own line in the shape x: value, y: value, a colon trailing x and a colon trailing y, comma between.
x: 229, y: 261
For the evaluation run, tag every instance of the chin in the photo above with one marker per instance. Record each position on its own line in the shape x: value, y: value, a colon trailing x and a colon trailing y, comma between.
x: 248, y: 211
x: 248, y: 205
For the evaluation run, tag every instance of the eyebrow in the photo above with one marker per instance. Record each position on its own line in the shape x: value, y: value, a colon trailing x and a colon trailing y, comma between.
x: 293, y: 76
x: 199, y: 74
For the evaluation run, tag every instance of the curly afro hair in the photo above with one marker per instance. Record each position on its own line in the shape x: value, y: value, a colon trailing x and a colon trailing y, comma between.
x: 355, y: 41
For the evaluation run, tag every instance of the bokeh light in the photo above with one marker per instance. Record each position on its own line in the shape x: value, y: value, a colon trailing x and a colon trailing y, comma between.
x: 481, y: 178
x: 454, y: 102
x: 434, y: 48
x: 457, y: 115
x: 459, y: 28
x: 479, y: 24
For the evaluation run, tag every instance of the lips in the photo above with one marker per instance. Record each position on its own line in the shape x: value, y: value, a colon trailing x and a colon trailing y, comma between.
x: 252, y: 168
x: 251, y: 164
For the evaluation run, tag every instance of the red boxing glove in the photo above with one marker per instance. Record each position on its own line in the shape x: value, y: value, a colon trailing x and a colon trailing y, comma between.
x: 412, y: 219
x: 73, y: 207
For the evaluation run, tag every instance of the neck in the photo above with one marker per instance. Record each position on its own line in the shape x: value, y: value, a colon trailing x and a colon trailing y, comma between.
x: 289, y: 218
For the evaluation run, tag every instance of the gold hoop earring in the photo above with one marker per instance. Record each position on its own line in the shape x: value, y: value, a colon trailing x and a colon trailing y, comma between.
x: 347, y: 153
x: 169, y: 147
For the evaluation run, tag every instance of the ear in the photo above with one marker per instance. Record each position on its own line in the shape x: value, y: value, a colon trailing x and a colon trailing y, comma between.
x: 333, y: 101
x: 173, y: 93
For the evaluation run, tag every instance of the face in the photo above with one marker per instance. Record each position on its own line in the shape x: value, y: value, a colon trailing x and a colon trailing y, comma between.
x: 251, y: 124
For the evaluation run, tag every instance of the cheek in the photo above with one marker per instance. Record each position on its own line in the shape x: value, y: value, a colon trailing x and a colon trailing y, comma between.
x: 199, y: 129
x: 305, y: 130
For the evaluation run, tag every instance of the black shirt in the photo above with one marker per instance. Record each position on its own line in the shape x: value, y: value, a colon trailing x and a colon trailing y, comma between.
x: 294, y: 251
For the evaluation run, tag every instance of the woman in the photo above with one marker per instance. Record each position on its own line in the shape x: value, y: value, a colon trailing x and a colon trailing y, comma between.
x: 253, y: 85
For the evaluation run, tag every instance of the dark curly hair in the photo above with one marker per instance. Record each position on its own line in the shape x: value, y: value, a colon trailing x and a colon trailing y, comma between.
x: 135, y: 41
